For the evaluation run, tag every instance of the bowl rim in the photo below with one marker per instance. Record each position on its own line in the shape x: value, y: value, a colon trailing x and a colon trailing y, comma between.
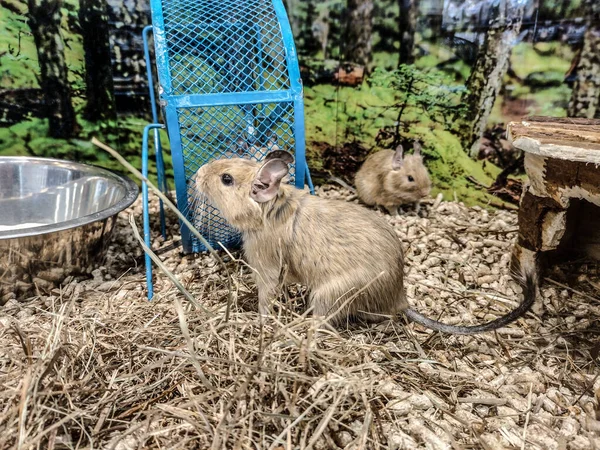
x: 131, y: 194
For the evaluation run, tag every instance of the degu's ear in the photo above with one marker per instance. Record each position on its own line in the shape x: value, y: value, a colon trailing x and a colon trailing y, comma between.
x: 398, y: 160
x: 268, y: 179
x: 417, y: 148
x: 280, y: 154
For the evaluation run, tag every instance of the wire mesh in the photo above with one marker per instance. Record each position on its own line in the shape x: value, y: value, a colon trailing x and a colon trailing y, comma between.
x: 214, y: 132
x: 224, y: 46
x: 211, y: 50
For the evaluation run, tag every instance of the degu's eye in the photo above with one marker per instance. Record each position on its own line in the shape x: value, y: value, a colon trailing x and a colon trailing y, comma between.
x: 410, y: 178
x: 227, y: 179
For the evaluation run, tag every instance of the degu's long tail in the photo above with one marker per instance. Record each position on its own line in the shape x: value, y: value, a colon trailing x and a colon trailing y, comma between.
x: 528, y: 280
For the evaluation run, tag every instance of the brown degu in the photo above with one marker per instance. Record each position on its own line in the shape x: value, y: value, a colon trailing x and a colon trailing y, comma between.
x: 391, y: 179
x: 200, y: 206
x: 348, y: 256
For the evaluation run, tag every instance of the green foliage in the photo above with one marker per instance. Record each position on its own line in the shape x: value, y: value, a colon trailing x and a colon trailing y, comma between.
x: 335, y: 115
x: 10, y: 145
x: 341, y: 114
x: 385, y: 60
x: 18, y: 55
x: 525, y: 59
x: 385, y: 29
x: 431, y: 92
x: 451, y: 168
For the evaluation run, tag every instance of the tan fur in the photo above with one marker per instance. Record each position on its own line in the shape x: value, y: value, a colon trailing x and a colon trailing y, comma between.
x: 315, y: 239
x: 259, y: 153
x: 377, y: 184
x: 201, y: 207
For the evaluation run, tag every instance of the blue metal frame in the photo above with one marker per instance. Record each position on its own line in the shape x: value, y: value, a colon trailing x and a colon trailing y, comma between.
x: 163, y: 70
x: 296, y: 91
x: 160, y: 165
x: 146, y: 213
x: 233, y: 71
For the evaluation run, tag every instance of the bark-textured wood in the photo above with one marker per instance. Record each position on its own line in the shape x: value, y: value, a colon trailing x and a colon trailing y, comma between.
x: 93, y: 19
x: 572, y: 139
x: 359, y: 26
x: 562, y: 197
x: 407, y: 25
x: 44, y: 20
x: 127, y: 19
x: 585, y: 99
x: 313, y: 34
x: 349, y: 75
x: 320, y: 30
x: 485, y: 80
x: 533, y: 211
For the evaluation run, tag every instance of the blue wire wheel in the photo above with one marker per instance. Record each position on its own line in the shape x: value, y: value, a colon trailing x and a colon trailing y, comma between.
x: 229, y: 85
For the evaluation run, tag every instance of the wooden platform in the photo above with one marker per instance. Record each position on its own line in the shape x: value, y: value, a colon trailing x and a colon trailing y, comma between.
x: 560, y: 205
x: 567, y: 139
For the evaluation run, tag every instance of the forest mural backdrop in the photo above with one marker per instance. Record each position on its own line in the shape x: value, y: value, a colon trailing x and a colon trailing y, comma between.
x: 450, y: 73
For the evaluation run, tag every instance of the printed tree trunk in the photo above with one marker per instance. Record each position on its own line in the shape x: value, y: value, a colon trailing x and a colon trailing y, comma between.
x: 93, y: 18
x: 357, y: 45
x: 585, y: 99
x: 310, y: 43
x: 44, y: 21
x: 485, y: 80
x: 127, y: 20
x: 407, y: 24
x: 564, y: 7
x: 321, y: 31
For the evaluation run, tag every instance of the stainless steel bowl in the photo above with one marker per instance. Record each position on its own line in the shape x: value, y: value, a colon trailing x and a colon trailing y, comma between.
x: 56, y: 218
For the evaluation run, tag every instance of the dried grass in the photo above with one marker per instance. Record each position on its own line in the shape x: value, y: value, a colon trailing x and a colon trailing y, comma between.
x: 97, y: 366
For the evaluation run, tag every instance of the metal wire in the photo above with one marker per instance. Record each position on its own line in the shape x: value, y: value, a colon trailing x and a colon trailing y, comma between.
x: 229, y: 86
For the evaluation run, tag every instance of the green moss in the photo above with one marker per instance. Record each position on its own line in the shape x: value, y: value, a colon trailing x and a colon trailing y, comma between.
x: 18, y: 63
x: 525, y: 60
x: 329, y: 109
x: 28, y: 128
x: 435, y: 53
x: 439, y: 53
x: 496, y: 115
x: 385, y: 60
x: 29, y: 138
x: 338, y: 114
x: 11, y: 144
x: 517, y: 90
x: 427, y: 62
x: 552, y: 101
x: 450, y: 167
